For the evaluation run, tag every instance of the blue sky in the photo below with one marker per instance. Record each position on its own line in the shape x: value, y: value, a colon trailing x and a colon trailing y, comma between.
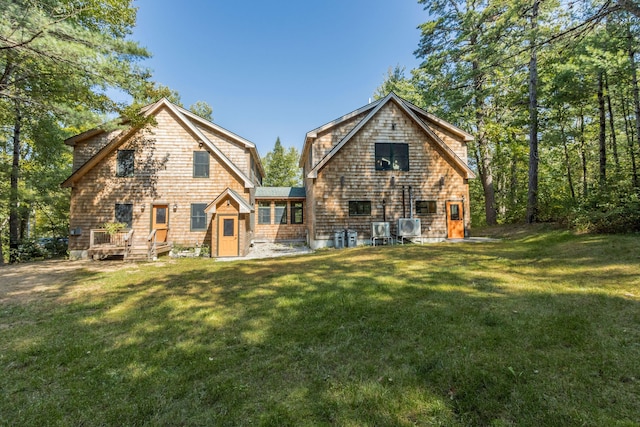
x: 280, y: 67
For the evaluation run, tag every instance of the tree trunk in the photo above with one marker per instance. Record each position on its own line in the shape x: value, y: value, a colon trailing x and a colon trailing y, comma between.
x: 1, y: 234
x: 583, y: 156
x: 484, y: 161
x: 614, y: 142
x: 532, y: 194
x: 602, y: 137
x: 628, y: 130
x: 513, y: 184
x: 14, y: 216
x: 567, y: 159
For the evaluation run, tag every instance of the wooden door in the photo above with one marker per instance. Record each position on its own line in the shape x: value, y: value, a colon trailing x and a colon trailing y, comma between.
x: 160, y: 222
x: 228, y: 242
x: 455, y: 220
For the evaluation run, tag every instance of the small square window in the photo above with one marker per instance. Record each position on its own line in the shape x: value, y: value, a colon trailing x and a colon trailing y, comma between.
x: 426, y: 207
x: 359, y: 208
x: 229, y: 227
x: 201, y: 164
x: 125, y: 163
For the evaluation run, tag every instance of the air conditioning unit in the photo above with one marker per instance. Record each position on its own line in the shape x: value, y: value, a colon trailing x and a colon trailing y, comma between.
x: 409, y: 227
x: 380, y: 230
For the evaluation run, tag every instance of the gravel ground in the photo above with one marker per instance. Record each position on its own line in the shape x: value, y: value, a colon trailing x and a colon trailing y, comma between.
x: 272, y: 250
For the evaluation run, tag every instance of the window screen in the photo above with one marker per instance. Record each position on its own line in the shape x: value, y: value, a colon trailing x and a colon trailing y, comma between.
x: 198, y: 216
x: 201, y: 164
x: 264, y: 213
x: 281, y: 213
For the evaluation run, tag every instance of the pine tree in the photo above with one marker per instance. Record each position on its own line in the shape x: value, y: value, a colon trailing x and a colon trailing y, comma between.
x: 281, y: 167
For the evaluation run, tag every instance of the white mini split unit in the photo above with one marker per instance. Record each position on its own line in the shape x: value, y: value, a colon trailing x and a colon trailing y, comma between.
x: 380, y: 230
x: 409, y: 227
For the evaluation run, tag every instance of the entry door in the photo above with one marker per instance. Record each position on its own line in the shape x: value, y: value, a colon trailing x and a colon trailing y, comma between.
x: 455, y: 220
x: 160, y: 222
x: 228, y: 242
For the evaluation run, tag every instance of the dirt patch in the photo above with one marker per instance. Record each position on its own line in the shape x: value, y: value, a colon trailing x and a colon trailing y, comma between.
x: 28, y: 281
x: 24, y: 282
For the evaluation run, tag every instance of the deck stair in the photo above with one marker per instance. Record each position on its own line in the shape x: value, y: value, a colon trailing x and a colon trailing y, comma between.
x: 138, y: 253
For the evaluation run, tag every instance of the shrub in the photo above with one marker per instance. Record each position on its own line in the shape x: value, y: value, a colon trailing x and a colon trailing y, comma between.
x: 114, y: 227
x: 612, y: 212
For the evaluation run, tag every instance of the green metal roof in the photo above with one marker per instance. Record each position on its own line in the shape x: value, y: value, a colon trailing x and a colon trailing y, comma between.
x: 281, y: 193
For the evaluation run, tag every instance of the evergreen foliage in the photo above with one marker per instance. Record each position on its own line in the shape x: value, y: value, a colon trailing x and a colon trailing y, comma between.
x: 514, y: 72
x: 281, y: 167
x: 58, y: 60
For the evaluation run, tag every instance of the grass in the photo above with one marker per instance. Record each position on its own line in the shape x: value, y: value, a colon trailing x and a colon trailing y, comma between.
x: 539, y: 329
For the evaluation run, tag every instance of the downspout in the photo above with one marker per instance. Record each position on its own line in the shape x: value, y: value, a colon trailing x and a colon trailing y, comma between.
x: 384, y: 210
x: 404, y: 211
x: 410, y: 202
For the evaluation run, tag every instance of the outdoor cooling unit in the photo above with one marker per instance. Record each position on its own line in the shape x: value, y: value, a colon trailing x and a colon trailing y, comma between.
x: 380, y: 230
x: 409, y: 227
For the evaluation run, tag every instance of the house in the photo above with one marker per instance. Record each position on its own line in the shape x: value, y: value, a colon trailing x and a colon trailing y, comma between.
x: 184, y: 181
x: 387, y: 162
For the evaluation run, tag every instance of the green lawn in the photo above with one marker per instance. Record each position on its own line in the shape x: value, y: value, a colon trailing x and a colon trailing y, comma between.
x: 538, y: 329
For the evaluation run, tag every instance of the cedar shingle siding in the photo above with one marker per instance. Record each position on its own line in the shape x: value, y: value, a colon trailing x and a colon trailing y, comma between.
x: 338, y: 162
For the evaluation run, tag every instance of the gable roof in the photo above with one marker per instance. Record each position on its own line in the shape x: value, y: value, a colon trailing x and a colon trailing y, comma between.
x: 187, y: 119
x: 371, y: 110
x: 280, y: 193
x: 242, y: 203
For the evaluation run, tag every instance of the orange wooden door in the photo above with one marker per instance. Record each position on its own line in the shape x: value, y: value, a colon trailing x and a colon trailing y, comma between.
x: 228, y: 242
x: 455, y: 220
x: 160, y: 222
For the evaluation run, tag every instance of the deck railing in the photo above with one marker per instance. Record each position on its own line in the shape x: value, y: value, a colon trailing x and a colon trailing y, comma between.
x: 153, y: 244
x: 120, y: 240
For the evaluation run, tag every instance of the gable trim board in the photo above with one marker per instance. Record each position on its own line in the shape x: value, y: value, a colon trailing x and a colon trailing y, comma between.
x: 147, y: 112
x: 408, y: 109
x: 242, y: 203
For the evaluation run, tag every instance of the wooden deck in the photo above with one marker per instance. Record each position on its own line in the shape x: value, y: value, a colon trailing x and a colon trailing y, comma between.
x: 103, y: 245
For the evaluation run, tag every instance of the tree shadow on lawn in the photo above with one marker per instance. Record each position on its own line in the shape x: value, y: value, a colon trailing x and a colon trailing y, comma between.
x: 414, y: 335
